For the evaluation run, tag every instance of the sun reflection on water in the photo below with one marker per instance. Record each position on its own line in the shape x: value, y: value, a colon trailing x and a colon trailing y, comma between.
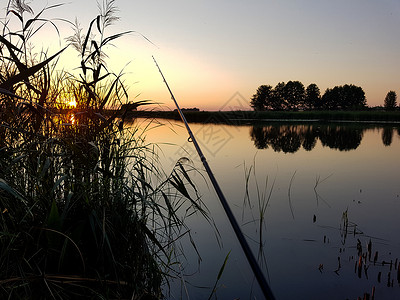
x: 72, y: 119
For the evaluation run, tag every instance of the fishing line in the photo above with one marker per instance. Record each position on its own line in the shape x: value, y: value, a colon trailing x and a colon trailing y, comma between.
x: 245, y: 247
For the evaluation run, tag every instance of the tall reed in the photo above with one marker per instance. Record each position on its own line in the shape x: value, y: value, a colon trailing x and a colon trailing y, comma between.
x: 85, y: 210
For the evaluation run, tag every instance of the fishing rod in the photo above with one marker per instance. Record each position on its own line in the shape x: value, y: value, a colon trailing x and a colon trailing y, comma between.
x: 245, y: 246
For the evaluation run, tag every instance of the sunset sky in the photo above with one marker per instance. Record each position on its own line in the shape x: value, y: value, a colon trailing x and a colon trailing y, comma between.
x: 211, y: 51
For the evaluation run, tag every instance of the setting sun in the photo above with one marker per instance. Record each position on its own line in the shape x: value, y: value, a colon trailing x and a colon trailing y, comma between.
x: 72, y: 103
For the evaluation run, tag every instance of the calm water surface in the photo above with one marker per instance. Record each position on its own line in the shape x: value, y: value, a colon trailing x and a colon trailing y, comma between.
x: 325, y: 194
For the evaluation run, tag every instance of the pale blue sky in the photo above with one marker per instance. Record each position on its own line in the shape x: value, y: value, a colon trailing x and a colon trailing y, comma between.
x: 209, y: 50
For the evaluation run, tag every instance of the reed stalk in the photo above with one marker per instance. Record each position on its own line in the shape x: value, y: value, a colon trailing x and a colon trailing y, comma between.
x: 85, y: 210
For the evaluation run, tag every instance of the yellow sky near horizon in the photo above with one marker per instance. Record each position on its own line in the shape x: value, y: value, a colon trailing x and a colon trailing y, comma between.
x: 211, y: 51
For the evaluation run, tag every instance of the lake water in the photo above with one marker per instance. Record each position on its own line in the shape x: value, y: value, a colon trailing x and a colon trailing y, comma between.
x: 328, y: 196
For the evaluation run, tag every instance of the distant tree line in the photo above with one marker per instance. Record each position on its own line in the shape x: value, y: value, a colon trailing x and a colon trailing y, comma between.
x: 294, y: 96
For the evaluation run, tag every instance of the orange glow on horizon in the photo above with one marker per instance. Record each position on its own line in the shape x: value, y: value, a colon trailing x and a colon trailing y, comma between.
x: 72, y: 118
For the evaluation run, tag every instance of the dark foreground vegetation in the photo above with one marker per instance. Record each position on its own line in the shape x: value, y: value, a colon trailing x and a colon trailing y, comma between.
x: 85, y: 212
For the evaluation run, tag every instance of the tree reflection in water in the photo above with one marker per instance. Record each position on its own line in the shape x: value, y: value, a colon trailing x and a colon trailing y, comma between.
x: 387, y: 136
x: 290, y: 138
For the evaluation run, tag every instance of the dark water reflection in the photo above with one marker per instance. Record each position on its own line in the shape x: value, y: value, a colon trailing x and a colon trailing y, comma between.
x: 291, y: 138
x: 323, y: 221
x: 387, y: 136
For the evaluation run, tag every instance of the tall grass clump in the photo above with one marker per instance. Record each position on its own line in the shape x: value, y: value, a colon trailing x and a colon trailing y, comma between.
x: 85, y: 210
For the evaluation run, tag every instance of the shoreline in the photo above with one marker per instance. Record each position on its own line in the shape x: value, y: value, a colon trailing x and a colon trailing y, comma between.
x: 254, y: 117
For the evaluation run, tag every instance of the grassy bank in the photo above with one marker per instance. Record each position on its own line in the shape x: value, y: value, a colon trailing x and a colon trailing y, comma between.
x: 251, y: 117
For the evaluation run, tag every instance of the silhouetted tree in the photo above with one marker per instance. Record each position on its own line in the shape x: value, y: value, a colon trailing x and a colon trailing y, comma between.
x: 390, y: 100
x: 294, y: 95
x: 313, y: 97
x: 278, y: 99
x: 353, y: 97
x: 330, y: 99
x: 262, y: 96
x: 344, y: 97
